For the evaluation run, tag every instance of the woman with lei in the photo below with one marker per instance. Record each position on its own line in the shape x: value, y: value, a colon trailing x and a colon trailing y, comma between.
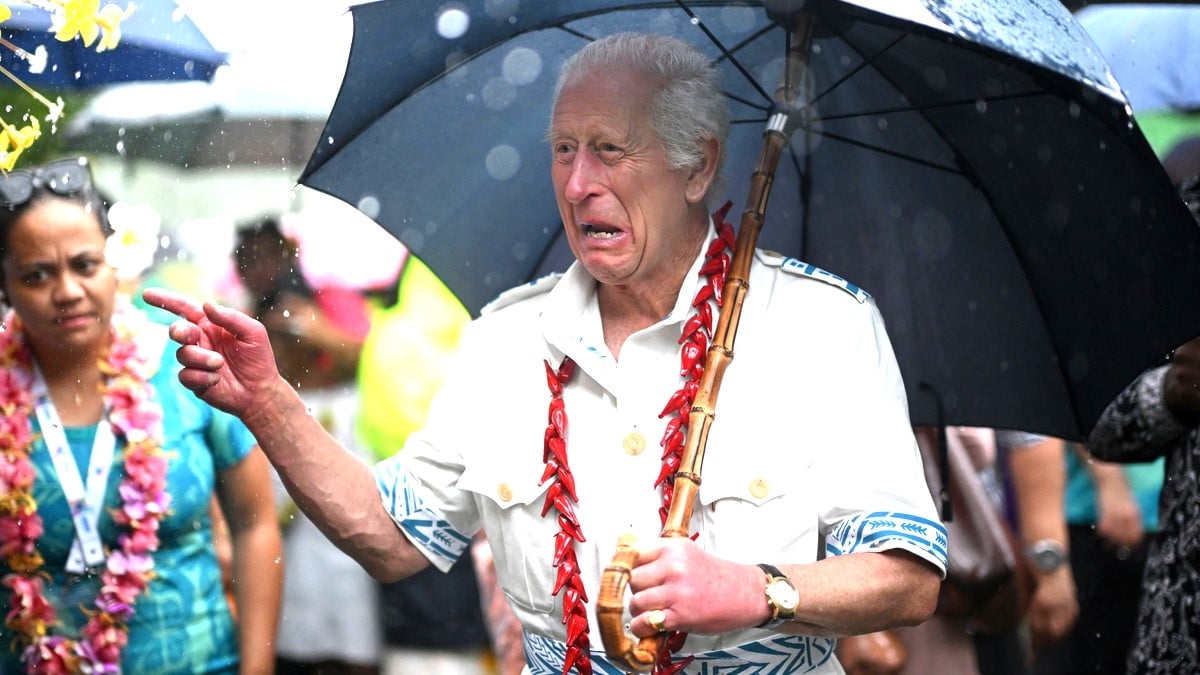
x: 108, y: 466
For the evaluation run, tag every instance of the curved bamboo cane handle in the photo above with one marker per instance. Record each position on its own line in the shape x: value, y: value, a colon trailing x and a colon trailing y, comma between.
x: 642, y: 655
x: 610, y: 608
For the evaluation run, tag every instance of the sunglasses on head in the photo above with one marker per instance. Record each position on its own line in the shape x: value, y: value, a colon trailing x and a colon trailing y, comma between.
x: 65, y: 177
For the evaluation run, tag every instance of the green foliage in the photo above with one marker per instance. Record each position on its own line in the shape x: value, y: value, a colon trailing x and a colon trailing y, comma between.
x: 15, y: 102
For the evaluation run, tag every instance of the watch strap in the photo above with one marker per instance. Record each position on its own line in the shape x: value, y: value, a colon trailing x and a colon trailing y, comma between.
x: 773, y: 573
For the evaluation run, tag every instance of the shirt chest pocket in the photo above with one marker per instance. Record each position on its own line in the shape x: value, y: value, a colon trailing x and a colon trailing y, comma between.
x: 522, y: 541
x: 756, y: 511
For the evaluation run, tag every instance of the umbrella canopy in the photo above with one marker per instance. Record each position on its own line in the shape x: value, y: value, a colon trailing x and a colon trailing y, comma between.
x: 240, y: 118
x: 973, y: 165
x: 1153, y: 50
x: 1155, y: 54
x: 158, y: 42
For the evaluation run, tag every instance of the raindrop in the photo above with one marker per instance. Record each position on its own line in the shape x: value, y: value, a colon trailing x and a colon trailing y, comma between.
x: 522, y: 66
x: 738, y: 18
x: 807, y: 139
x: 413, y: 239
x: 1056, y: 217
x: 501, y: 10
x: 695, y: 21
x: 452, y: 22
x: 503, y: 162
x: 520, y: 251
x: 981, y: 106
x: 933, y: 235
x: 278, y: 560
x: 369, y: 206
x: 1073, y: 110
x: 120, y: 147
x: 935, y: 77
x: 329, y: 140
x: 498, y: 93
x: 1078, y: 368
x: 881, y: 123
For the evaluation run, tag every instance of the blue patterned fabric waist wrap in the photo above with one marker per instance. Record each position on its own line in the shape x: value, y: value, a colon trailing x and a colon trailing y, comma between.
x: 777, y: 655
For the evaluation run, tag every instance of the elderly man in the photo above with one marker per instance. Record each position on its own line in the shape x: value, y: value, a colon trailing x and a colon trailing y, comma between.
x: 813, y: 521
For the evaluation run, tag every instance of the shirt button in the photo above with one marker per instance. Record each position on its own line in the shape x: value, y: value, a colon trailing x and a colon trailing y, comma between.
x: 635, y: 443
x: 505, y: 492
x: 758, y: 488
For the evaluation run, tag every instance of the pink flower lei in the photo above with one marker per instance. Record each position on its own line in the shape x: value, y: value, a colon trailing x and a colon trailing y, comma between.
x: 560, y: 496
x: 136, y: 418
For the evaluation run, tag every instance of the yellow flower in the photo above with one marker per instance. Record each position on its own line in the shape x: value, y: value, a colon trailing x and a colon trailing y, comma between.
x: 14, y: 141
x: 77, y: 18
x: 85, y: 19
x: 110, y: 19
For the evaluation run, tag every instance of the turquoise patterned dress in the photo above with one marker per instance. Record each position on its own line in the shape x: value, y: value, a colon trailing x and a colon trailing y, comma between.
x: 182, y: 622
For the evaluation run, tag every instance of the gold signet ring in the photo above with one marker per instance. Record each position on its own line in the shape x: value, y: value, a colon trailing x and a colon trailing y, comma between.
x: 657, y: 620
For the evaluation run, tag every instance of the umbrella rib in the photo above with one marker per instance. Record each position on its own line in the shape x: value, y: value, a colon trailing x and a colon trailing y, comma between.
x: 936, y: 106
x: 726, y: 53
x: 867, y: 61
x: 884, y: 151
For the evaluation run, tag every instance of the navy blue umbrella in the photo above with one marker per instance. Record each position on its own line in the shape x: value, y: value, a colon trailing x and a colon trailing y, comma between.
x: 972, y: 164
x: 158, y: 42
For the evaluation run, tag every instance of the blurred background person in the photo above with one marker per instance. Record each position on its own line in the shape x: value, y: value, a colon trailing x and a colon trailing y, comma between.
x: 1158, y: 415
x: 1109, y: 510
x: 1014, y: 474
x: 95, y: 415
x: 433, y: 623
x: 330, y: 620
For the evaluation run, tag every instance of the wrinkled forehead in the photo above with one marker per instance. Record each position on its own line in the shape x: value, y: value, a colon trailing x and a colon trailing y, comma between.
x: 613, y: 99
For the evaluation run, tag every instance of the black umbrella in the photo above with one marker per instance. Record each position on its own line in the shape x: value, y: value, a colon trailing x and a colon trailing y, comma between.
x: 973, y: 165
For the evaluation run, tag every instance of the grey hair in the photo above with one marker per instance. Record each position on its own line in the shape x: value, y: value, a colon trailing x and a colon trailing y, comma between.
x: 689, y: 108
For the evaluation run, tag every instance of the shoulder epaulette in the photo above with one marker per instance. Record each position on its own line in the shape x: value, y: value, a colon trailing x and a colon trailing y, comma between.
x: 803, y: 269
x: 522, y: 292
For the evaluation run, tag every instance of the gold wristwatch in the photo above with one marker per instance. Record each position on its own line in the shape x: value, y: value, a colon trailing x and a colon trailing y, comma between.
x: 782, y: 597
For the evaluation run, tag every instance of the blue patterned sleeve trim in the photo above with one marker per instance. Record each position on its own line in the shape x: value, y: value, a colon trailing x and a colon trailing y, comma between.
x: 883, y: 530
x: 439, y: 540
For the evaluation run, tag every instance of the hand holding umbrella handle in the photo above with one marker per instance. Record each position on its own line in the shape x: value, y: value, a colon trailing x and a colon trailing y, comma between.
x: 642, y: 656
x: 638, y: 656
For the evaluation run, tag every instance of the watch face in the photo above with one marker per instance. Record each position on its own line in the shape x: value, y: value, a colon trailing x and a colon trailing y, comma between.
x: 783, y: 595
x: 1047, y: 557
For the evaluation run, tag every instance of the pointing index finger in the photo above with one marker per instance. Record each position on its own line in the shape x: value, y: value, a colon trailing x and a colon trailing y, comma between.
x: 175, y: 303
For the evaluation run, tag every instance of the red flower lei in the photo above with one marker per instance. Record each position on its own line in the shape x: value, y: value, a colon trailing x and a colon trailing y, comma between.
x: 135, y: 417
x: 695, y: 338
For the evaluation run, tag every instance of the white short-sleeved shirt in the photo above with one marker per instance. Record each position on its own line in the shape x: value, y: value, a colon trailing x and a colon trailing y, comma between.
x: 811, y: 452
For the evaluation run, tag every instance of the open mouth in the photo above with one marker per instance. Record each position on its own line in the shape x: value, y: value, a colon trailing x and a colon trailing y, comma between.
x: 600, y: 231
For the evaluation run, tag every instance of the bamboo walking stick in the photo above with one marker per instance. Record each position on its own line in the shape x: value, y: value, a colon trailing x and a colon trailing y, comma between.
x: 642, y: 655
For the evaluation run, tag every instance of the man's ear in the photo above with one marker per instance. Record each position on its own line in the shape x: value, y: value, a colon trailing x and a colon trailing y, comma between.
x: 700, y: 178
